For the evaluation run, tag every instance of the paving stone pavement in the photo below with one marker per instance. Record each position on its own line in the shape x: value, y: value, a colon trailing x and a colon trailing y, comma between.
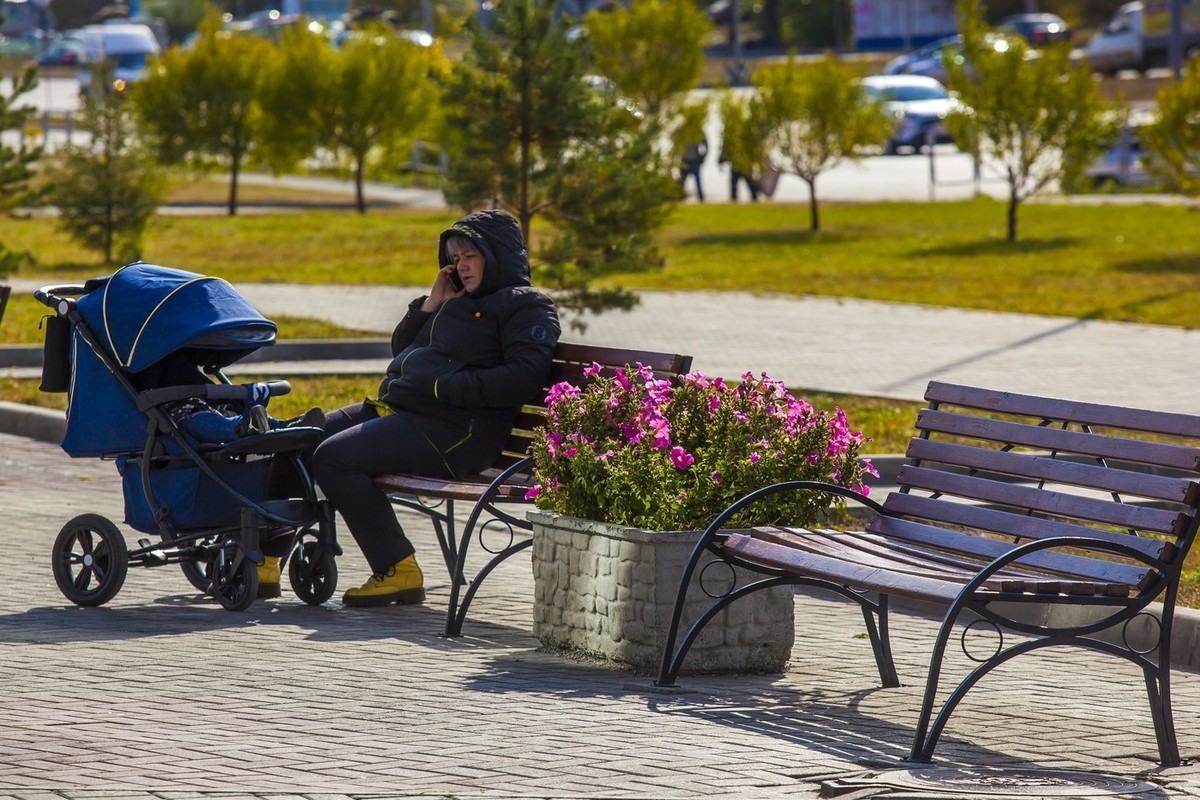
x: 162, y: 694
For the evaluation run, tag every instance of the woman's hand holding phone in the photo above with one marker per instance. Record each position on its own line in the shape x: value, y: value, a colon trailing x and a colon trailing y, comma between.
x: 446, y: 285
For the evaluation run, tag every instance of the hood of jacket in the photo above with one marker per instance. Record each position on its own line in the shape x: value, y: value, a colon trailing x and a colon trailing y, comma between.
x: 498, y: 237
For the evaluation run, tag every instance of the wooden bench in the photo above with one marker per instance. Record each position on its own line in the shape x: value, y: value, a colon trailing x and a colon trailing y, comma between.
x: 1058, y: 520
x: 507, y: 481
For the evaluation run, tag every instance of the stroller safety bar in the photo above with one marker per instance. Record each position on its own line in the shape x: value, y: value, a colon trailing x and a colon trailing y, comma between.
x: 219, y: 392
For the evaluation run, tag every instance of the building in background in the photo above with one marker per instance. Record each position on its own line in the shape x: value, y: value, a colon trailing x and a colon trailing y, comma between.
x: 901, y: 24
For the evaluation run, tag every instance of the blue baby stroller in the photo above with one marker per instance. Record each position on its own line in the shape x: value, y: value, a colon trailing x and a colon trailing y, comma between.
x: 133, y: 348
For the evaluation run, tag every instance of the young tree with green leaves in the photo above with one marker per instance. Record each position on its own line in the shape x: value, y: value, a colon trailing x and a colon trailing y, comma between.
x: 1040, y: 119
x: 816, y: 116
x: 16, y: 163
x: 368, y: 99
x: 529, y: 132
x: 199, y: 106
x: 1174, y: 137
x: 107, y: 190
x: 651, y: 50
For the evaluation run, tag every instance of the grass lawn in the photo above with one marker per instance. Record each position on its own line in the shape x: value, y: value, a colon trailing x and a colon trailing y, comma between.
x: 1117, y: 262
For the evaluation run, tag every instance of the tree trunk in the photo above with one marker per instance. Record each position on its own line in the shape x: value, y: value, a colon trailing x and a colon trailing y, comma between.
x: 1013, y: 202
x: 814, y: 216
x: 524, y: 213
x: 360, y: 202
x: 234, y: 168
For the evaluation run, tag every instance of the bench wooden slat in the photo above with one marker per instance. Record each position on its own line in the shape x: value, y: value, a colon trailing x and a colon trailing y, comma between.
x: 611, y: 357
x: 922, y: 534
x: 1136, y: 419
x: 1060, y: 504
x: 454, y: 490
x: 1021, y: 526
x: 841, y: 572
x: 1047, y: 438
x: 874, y: 551
x: 1042, y: 467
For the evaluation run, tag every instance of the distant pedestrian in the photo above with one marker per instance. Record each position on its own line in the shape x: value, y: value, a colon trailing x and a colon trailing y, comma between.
x: 692, y: 159
x: 736, y: 177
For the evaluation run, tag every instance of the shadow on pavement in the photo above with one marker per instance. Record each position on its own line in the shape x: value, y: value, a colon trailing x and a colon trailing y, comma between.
x: 174, y: 615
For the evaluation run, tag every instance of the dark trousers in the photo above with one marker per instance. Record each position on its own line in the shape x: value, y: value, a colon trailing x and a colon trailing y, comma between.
x: 734, y: 177
x: 360, y: 444
x: 694, y: 171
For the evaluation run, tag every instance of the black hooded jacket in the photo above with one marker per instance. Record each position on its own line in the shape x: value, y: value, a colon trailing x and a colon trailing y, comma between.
x: 477, y: 359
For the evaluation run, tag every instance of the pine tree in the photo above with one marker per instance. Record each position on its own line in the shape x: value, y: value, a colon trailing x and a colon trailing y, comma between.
x: 16, y: 163
x: 106, y: 191
x: 530, y: 132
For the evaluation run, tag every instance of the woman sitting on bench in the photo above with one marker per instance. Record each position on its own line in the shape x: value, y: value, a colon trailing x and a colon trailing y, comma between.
x: 466, y: 358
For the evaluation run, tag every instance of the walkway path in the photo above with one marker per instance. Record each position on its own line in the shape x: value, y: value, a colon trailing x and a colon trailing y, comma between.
x: 835, y: 345
x: 852, y: 346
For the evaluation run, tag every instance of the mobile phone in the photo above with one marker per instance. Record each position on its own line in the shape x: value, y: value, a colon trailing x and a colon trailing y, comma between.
x: 456, y: 281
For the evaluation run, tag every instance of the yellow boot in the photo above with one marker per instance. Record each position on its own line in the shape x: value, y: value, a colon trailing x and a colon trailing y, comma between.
x: 268, y: 577
x: 403, y: 583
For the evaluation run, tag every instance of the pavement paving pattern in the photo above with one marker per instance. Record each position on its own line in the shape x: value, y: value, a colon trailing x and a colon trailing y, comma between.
x: 162, y: 694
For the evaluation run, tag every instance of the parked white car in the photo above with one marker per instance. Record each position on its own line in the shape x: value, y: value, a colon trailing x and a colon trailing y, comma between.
x: 918, y: 103
x: 127, y: 46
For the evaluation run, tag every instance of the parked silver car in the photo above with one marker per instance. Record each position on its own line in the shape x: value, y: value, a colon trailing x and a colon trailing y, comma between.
x: 918, y: 103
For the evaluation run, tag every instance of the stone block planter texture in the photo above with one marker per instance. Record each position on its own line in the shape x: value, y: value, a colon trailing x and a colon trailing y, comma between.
x: 607, y: 591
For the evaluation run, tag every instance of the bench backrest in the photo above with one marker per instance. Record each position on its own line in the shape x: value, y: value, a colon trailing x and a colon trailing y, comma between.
x: 1023, y: 467
x: 570, y: 360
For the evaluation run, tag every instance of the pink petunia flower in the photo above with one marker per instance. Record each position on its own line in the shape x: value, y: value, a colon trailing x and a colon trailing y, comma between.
x: 533, y: 492
x: 681, y: 458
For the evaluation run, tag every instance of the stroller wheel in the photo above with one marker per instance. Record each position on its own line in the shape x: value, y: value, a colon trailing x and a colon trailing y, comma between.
x: 90, y: 560
x: 313, y: 573
x: 234, y: 579
x: 196, y: 571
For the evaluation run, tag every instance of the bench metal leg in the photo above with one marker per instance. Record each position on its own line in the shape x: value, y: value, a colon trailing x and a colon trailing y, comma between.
x: 670, y: 667
x: 880, y: 641
x: 456, y: 614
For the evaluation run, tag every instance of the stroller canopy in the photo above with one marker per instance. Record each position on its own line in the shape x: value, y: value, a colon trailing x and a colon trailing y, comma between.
x: 157, y: 327
x: 144, y: 313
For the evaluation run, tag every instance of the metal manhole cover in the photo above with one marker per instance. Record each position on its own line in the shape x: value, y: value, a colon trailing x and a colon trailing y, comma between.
x: 965, y: 781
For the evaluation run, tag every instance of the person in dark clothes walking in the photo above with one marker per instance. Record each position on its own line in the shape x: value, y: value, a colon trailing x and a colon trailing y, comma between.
x: 466, y: 357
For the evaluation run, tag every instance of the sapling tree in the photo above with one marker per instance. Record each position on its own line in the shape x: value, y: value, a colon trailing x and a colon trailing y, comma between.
x: 1174, y: 137
x: 199, y: 106
x: 817, y: 116
x: 1039, y: 119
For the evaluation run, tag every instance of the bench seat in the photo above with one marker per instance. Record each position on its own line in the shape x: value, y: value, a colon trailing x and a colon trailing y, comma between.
x: 1008, y: 501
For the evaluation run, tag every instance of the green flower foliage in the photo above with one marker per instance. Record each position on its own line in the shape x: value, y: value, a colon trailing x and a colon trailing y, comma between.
x: 634, y: 450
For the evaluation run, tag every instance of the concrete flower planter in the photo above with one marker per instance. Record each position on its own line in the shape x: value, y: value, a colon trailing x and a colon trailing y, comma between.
x: 608, y: 591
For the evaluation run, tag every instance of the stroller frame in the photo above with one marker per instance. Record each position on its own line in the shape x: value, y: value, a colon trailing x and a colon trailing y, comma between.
x: 91, y: 557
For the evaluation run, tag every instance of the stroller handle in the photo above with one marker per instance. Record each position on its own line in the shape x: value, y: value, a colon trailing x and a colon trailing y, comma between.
x: 219, y: 392
x: 53, y: 295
